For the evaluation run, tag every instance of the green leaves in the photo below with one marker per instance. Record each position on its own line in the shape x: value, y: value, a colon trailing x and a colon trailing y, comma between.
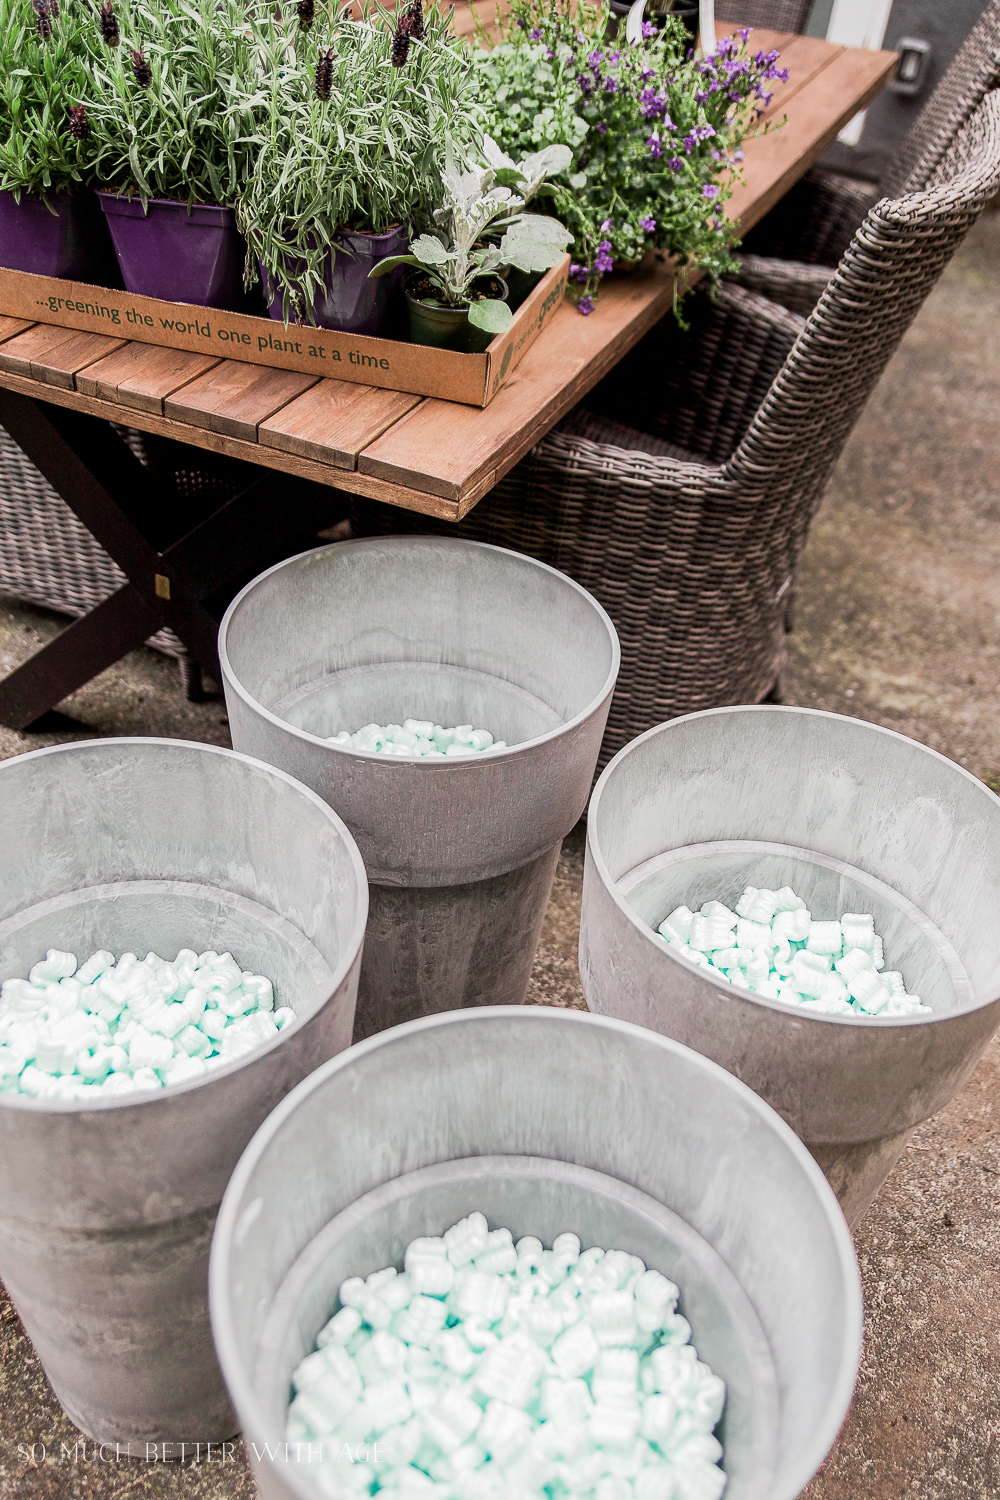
x: 534, y: 243
x: 490, y: 315
x: 367, y: 158
x: 40, y: 81
x: 390, y: 263
x: 429, y: 251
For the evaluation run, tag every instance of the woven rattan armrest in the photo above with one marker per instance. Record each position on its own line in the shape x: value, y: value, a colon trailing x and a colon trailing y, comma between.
x: 814, y: 222
x: 700, y: 389
x: 794, y: 285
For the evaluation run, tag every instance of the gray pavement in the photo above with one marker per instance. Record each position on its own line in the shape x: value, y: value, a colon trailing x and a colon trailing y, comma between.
x: 898, y: 622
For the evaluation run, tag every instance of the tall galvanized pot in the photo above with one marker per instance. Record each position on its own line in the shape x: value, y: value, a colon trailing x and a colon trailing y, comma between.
x: 855, y: 818
x: 546, y: 1120
x: 106, y: 1209
x: 460, y: 852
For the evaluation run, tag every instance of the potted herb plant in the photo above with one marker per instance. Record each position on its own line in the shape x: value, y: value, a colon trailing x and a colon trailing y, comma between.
x: 455, y: 296
x: 49, y: 220
x: 168, y: 154
x: 530, y: 179
x: 349, y: 116
x: 655, y: 132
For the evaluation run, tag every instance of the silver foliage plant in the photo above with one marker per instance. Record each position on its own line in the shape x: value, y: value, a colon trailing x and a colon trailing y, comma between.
x: 482, y: 226
x: 344, y: 135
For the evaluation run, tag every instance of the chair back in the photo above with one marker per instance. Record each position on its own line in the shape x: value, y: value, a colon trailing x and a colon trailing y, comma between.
x: 892, y: 263
x: 775, y: 15
x: 972, y: 73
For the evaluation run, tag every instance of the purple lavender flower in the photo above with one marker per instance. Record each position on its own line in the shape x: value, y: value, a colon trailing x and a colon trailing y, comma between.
x: 648, y: 224
x: 710, y: 190
x: 584, y: 83
x: 739, y: 155
x: 606, y: 227
x: 648, y: 30
x: 655, y: 149
x: 675, y: 163
x: 604, y: 260
x: 601, y: 127
x: 594, y: 60
x: 744, y: 34
x: 585, y: 306
x: 534, y: 35
x: 579, y: 273
x: 613, y: 57
x: 610, y: 86
x: 78, y: 125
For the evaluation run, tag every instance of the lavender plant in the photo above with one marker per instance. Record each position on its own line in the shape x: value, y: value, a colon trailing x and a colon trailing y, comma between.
x: 351, y: 120
x: 656, y: 133
x: 159, y: 100
x: 46, y: 145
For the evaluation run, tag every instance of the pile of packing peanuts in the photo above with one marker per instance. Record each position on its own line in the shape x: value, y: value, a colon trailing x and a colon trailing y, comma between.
x: 489, y: 1370
x: 118, y: 1026
x: 772, y: 946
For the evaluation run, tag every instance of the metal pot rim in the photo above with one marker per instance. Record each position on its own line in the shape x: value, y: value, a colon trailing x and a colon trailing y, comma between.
x: 428, y: 764
x: 28, y: 1105
x: 808, y: 1018
x: 231, y: 1224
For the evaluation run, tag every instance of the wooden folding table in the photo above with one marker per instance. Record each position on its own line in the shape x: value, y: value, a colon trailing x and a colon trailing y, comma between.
x: 423, y: 454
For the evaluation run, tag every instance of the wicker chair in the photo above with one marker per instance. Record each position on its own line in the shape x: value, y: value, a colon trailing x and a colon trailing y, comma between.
x: 776, y: 15
x: 791, y: 253
x: 693, y: 550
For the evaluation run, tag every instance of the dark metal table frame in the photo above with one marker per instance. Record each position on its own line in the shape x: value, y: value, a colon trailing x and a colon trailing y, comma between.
x: 176, y: 577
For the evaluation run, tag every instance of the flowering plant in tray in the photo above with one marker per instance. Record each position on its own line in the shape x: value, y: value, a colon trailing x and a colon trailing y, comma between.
x: 655, y: 132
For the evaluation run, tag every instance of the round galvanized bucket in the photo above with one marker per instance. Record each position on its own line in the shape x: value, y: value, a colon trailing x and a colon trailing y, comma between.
x: 460, y: 851
x: 854, y: 818
x: 545, y: 1120
x: 107, y: 1208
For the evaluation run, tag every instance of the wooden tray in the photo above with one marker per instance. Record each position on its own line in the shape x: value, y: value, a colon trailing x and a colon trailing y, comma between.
x: 473, y: 379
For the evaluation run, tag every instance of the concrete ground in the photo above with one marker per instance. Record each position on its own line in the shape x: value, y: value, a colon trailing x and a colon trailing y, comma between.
x: 899, y: 623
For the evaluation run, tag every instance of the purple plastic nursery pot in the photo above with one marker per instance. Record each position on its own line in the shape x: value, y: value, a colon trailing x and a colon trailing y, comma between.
x: 348, y: 301
x: 176, y: 251
x: 69, y: 240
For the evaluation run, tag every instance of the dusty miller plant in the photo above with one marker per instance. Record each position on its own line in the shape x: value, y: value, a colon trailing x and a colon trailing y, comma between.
x: 481, y: 226
x: 350, y: 122
x: 46, y: 145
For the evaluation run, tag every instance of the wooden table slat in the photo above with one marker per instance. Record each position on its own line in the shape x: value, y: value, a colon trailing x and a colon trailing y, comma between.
x: 53, y: 355
x: 424, y: 454
x: 140, y: 376
x: 334, y: 420
x: 233, y: 398
x: 11, y: 326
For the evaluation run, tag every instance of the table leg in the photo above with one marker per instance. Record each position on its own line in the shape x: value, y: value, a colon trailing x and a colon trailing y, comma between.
x: 122, y: 505
x: 136, y: 520
x: 118, y: 625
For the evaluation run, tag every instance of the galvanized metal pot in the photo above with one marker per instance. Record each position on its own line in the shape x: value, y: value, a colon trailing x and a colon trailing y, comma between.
x: 855, y: 818
x: 106, y: 1209
x: 460, y: 851
x: 546, y: 1120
